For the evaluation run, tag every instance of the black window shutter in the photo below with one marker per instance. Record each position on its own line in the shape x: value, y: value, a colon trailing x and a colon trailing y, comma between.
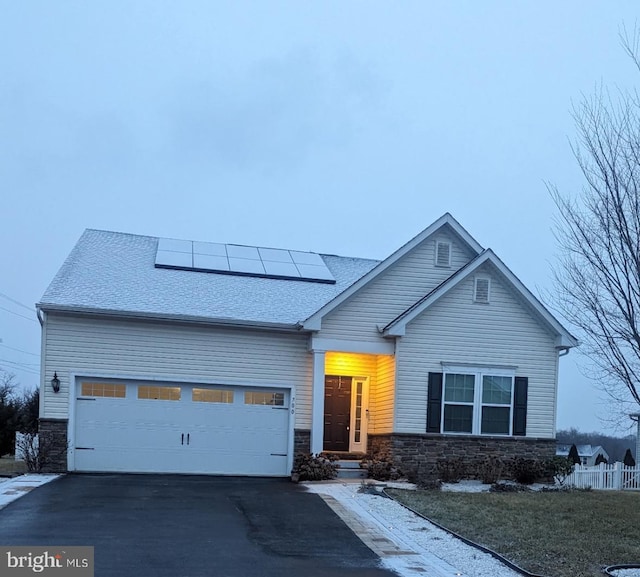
x: 434, y: 402
x: 520, y: 406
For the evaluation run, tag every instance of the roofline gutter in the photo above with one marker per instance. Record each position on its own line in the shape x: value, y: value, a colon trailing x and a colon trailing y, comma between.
x: 190, y: 319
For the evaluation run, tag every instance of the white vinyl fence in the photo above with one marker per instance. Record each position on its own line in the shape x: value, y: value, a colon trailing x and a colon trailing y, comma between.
x: 602, y: 476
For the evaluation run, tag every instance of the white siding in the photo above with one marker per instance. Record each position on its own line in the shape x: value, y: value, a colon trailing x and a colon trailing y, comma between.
x: 395, y: 290
x: 148, y: 350
x: 457, y: 330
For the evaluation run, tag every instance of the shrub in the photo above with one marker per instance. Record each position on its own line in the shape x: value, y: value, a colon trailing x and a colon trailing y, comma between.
x: 36, y: 450
x: 450, y: 469
x: 308, y: 467
x: 574, y: 457
x: 527, y: 471
x: 559, y: 468
x: 601, y: 459
x: 490, y: 469
x: 380, y: 469
x: 628, y: 460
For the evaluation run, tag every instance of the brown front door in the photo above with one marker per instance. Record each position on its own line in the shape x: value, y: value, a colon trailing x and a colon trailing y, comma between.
x: 337, y: 412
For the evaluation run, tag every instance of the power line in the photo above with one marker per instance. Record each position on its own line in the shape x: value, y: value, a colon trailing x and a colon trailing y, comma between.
x: 18, y: 366
x: 19, y: 363
x: 15, y: 302
x: 19, y: 350
x: 18, y: 315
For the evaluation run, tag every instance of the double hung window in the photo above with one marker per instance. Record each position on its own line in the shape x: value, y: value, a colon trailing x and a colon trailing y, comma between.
x: 477, y: 401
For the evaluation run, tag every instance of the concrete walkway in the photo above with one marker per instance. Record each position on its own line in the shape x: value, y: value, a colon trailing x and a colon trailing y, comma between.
x: 405, y: 542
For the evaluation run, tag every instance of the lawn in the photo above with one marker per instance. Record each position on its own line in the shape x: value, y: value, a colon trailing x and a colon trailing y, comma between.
x: 558, y: 534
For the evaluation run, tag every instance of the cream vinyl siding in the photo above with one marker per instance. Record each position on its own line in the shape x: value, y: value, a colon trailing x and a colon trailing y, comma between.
x: 457, y: 330
x: 380, y: 372
x: 383, y: 399
x: 190, y: 353
x: 394, y: 291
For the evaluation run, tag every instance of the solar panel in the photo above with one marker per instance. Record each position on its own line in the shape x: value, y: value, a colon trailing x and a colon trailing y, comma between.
x: 234, y: 259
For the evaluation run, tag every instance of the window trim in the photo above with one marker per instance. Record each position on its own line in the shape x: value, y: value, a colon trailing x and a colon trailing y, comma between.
x: 476, y: 419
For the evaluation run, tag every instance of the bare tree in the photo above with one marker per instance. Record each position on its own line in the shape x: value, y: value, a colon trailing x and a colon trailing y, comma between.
x: 598, y: 275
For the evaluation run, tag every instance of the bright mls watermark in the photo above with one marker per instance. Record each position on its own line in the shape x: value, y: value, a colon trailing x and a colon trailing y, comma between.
x: 60, y: 561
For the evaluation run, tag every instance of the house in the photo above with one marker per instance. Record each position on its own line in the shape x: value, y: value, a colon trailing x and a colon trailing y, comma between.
x: 587, y: 453
x: 163, y: 355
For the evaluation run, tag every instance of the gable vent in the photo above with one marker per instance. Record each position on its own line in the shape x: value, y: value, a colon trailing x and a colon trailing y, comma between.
x: 481, y: 293
x: 443, y: 253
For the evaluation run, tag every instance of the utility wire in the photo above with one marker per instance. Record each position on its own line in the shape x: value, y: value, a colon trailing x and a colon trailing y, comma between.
x: 18, y: 366
x: 19, y: 363
x: 18, y: 315
x: 15, y: 302
x: 19, y: 350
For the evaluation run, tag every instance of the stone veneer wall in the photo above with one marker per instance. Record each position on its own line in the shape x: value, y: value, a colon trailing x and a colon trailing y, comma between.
x: 55, y: 433
x: 416, y: 455
x: 301, y: 441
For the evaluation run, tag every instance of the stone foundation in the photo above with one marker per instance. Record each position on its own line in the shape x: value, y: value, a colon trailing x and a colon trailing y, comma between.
x: 301, y: 441
x: 416, y: 455
x: 52, y: 435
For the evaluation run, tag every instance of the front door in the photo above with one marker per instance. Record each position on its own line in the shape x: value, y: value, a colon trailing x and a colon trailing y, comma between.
x: 337, y: 412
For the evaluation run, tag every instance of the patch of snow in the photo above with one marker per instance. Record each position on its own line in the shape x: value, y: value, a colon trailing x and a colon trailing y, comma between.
x: 16, y: 487
x: 424, y: 548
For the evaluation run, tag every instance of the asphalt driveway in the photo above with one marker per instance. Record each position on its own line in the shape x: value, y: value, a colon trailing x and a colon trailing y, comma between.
x: 190, y: 526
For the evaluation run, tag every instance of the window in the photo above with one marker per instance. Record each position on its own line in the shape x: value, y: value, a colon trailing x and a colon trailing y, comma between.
x: 264, y: 398
x: 481, y: 290
x: 212, y: 396
x: 159, y: 393
x: 114, y: 390
x: 496, y: 405
x: 459, y: 394
x: 477, y: 401
x: 357, y: 434
x: 443, y: 253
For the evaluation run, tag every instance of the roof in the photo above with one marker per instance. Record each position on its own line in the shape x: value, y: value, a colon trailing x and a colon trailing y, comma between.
x: 583, y: 450
x: 113, y: 273
x: 398, y: 325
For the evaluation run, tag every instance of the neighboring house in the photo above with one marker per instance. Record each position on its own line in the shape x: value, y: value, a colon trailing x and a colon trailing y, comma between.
x: 587, y: 453
x: 193, y: 357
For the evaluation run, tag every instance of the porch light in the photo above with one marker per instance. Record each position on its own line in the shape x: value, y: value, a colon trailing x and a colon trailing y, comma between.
x: 55, y: 383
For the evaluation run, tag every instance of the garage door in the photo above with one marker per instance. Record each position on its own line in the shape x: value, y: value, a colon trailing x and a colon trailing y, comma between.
x: 178, y: 428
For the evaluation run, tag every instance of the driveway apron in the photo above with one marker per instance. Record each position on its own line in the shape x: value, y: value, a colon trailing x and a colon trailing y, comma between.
x: 173, y: 525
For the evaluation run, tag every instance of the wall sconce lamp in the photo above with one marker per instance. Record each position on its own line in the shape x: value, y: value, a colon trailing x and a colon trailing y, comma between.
x: 55, y: 383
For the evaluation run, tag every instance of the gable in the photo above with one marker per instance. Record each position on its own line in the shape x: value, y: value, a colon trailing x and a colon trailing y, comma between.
x: 455, y: 330
x: 504, y: 311
x: 399, y: 286
x: 480, y: 271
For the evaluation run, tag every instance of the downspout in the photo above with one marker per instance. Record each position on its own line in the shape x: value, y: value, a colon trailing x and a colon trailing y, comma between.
x: 43, y: 337
x: 636, y: 417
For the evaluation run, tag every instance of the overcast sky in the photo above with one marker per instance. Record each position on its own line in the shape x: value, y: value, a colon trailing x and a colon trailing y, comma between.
x: 335, y: 127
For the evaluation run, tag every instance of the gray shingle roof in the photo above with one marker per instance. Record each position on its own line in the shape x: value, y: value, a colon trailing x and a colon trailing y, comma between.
x: 114, y: 273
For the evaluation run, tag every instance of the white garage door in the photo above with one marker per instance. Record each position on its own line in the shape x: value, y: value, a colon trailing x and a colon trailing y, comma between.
x: 178, y: 428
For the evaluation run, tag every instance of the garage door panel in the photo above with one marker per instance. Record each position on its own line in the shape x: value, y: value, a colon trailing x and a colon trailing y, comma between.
x: 182, y: 436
